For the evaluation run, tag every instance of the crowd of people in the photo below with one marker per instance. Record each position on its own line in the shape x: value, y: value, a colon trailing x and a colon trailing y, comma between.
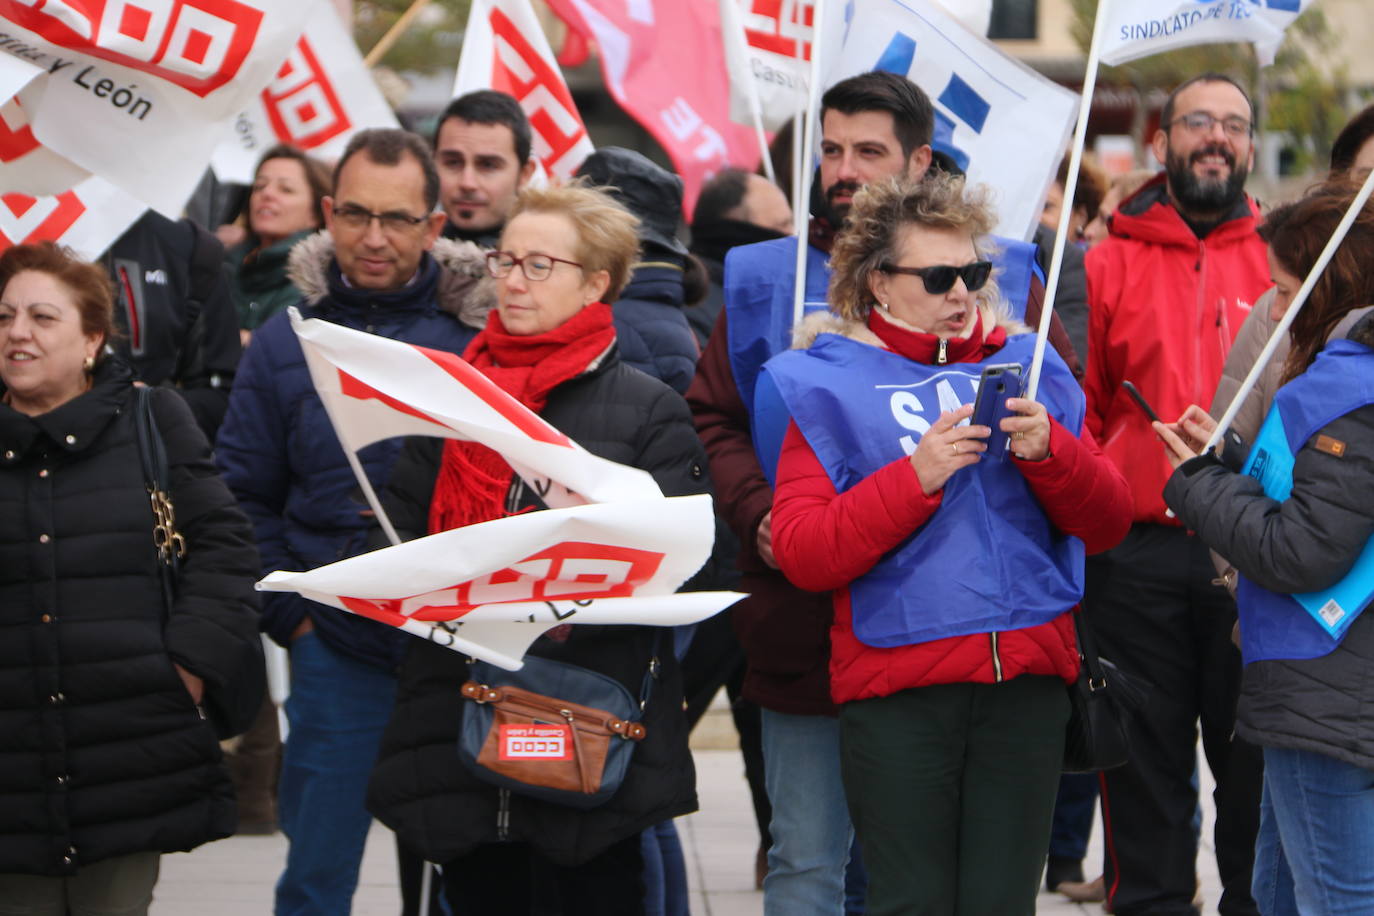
x: 915, y: 575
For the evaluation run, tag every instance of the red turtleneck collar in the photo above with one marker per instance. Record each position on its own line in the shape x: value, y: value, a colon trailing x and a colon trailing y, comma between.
x: 921, y: 347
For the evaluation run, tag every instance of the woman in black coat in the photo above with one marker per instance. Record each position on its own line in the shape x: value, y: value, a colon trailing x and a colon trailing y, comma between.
x: 550, y: 343
x: 108, y: 696
x: 1299, y: 536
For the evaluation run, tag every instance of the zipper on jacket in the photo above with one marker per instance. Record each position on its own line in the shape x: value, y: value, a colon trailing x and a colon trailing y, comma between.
x: 503, y: 815
x: 942, y: 357
x: 996, y: 659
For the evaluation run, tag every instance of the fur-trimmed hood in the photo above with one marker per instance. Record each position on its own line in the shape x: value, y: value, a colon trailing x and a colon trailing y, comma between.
x: 464, y: 289
x: 827, y: 322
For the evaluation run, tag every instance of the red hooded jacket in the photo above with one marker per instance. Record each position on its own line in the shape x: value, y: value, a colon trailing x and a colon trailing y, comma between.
x: 1163, y: 308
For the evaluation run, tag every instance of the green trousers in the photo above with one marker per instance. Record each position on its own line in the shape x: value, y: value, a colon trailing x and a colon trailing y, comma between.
x: 951, y: 789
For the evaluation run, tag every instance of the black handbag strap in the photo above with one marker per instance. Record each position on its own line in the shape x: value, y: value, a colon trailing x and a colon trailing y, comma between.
x: 652, y: 670
x: 152, y: 454
x: 1087, y: 651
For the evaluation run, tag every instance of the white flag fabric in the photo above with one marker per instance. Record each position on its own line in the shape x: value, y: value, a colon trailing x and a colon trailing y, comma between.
x: 321, y: 96
x: 489, y: 590
x: 15, y: 74
x: 504, y: 48
x: 139, y: 92
x: 87, y: 218
x: 27, y: 166
x: 1003, y: 123
x: 1139, y: 28
x: 375, y: 388
x: 762, y: 38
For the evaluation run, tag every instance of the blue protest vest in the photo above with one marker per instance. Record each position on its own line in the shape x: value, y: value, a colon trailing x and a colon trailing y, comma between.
x: 758, y: 291
x: 1274, y: 625
x: 988, y: 559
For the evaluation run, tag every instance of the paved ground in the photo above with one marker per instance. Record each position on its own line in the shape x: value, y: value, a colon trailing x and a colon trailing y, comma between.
x: 234, y: 877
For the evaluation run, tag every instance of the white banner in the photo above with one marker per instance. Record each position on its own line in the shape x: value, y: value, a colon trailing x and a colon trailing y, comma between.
x: 375, y: 388
x: 322, y: 95
x: 1003, y: 123
x: 1139, y: 28
x: 489, y: 590
x: 15, y: 74
x: 140, y: 92
x: 504, y: 48
x: 27, y: 166
x: 762, y: 40
x: 87, y: 218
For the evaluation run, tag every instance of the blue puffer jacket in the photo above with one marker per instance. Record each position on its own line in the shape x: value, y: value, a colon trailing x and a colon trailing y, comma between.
x: 279, y: 453
x: 652, y: 331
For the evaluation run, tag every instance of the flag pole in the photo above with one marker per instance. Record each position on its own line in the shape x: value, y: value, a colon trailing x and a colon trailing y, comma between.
x: 801, y: 196
x: 1299, y: 300
x: 736, y: 24
x: 397, y: 29
x: 1061, y: 236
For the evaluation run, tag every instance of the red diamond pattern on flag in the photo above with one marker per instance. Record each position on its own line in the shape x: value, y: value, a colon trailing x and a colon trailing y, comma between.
x: 23, y: 219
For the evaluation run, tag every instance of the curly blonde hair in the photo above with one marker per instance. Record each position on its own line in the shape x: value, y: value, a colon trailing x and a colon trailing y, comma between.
x: 873, y: 232
x: 607, y: 233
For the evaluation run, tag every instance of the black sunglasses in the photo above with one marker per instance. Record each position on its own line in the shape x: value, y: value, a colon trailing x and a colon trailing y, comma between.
x: 939, y: 279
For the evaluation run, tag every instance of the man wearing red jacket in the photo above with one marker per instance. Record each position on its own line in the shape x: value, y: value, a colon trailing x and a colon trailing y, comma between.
x: 1167, y: 292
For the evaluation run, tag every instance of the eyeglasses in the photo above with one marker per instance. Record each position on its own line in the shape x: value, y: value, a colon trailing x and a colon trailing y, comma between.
x: 392, y: 222
x: 1197, y: 122
x: 535, y: 267
x: 939, y: 279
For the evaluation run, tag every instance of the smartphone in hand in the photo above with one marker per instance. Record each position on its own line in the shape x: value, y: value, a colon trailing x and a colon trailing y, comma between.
x: 1140, y: 401
x: 998, y: 383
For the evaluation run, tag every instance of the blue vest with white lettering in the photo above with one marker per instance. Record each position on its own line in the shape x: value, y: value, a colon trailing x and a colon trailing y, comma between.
x: 988, y: 559
x: 758, y: 293
x: 1341, y: 380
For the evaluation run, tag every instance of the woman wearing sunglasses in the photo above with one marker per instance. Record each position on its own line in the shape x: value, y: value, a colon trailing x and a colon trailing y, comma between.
x: 550, y: 343
x: 954, y: 572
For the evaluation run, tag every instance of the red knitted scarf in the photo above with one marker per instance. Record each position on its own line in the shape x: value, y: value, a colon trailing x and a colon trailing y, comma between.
x: 920, y: 347
x: 473, y: 479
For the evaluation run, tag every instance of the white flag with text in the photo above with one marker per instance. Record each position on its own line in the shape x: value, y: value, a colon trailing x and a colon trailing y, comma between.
x: 1139, y: 28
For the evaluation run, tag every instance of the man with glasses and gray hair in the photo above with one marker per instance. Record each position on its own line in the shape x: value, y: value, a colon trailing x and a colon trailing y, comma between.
x: 1167, y: 292
x: 379, y: 267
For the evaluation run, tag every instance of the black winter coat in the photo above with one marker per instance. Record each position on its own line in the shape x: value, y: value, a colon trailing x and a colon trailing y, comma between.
x: 1304, y: 544
x: 419, y: 788
x: 102, y: 751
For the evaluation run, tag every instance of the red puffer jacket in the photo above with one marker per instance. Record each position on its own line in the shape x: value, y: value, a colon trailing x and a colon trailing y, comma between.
x: 1163, y: 308
x: 824, y: 541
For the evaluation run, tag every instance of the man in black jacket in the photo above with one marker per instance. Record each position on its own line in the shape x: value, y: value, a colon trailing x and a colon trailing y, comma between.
x: 172, y: 304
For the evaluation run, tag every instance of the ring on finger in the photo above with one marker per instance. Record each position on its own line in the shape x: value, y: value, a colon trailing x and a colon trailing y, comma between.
x: 955, y: 447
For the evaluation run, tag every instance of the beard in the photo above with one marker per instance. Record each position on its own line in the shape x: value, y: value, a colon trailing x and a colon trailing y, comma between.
x: 1205, y: 195
x: 835, y: 213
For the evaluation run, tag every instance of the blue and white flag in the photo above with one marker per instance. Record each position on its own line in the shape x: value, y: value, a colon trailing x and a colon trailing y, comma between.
x: 1004, y: 124
x: 1139, y: 28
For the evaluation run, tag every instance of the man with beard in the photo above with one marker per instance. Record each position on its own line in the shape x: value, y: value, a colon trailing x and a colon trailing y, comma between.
x: 482, y: 152
x: 874, y: 126
x: 1167, y: 292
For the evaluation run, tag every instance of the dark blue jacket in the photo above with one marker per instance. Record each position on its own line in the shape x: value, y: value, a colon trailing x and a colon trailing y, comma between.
x: 652, y: 331
x: 279, y: 453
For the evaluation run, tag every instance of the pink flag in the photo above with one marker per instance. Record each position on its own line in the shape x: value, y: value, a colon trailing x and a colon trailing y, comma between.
x: 664, y: 62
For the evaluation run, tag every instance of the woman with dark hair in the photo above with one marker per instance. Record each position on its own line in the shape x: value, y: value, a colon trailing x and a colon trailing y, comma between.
x: 113, y: 680
x: 1306, y: 689
x: 283, y: 208
x: 1353, y: 151
x: 954, y: 572
x: 552, y: 344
